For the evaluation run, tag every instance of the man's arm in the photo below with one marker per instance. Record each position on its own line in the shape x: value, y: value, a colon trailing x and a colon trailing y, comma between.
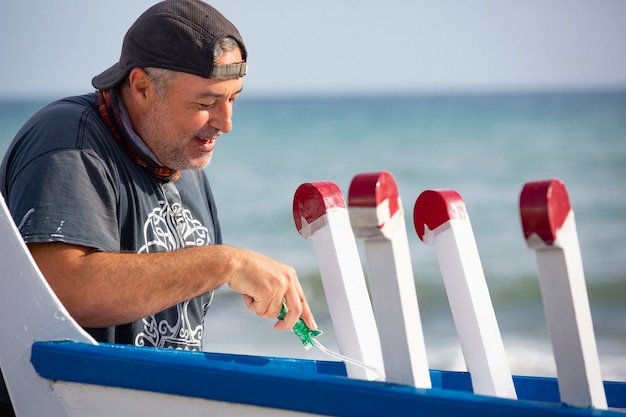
x: 102, y: 289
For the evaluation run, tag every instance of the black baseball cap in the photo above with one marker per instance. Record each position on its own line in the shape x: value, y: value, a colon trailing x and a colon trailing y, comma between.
x: 178, y: 35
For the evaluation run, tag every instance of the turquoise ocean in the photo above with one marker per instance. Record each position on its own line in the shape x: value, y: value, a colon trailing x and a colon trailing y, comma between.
x: 484, y: 146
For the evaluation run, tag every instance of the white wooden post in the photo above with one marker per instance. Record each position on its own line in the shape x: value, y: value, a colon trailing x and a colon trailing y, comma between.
x: 441, y: 219
x: 550, y: 230
x: 30, y: 312
x: 320, y: 214
x: 377, y: 218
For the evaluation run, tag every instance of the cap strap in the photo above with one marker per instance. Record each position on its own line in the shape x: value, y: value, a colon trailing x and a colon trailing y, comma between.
x: 229, y: 71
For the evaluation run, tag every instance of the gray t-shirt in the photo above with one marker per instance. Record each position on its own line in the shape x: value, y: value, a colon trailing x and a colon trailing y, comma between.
x: 66, y: 179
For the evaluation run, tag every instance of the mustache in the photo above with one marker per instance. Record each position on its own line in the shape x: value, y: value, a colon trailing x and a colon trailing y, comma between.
x: 214, y: 134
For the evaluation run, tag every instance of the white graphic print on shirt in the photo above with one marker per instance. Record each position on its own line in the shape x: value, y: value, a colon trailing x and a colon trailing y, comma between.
x: 171, y: 227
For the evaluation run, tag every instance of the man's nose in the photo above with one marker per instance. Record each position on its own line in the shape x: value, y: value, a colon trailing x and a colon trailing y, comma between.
x: 221, y: 117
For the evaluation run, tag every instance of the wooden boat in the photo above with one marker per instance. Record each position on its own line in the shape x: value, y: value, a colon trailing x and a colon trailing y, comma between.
x: 53, y: 368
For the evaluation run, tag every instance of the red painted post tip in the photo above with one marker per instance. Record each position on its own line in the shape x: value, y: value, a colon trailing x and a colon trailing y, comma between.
x: 312, y: 200
x: 435, y: 207
x: 544, y: 206
x: 371, y: 189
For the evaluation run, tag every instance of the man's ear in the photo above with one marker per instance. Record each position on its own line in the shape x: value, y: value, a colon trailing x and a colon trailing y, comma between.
x: 141, y: 87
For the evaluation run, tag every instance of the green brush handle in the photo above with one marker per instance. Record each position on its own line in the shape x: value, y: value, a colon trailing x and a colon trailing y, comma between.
x: 301, y: 330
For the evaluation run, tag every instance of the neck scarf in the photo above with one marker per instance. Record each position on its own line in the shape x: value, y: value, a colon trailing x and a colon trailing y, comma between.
x: 117, y: 120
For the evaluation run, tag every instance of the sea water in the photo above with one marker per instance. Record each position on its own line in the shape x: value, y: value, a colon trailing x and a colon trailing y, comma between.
x: 483, y: 146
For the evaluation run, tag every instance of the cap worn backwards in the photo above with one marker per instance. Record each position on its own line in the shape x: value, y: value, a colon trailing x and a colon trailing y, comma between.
x: 178, y: 35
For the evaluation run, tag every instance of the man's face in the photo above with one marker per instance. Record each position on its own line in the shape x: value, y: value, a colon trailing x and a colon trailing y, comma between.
x: 182, y: 127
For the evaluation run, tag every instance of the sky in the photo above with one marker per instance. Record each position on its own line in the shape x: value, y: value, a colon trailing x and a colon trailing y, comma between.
x: 55, y: 47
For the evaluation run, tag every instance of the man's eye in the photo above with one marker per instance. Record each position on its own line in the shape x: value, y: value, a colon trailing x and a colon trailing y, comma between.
x: 206, y: 106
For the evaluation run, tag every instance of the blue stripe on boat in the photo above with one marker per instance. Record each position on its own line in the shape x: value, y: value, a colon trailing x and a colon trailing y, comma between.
x: 294, y: 384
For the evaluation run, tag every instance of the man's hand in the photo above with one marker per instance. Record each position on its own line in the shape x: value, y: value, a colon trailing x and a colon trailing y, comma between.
x: 265, y: 283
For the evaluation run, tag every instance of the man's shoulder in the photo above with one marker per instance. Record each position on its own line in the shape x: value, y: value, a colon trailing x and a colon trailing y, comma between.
x: 69, y: 126
x: 71, y: 122
x: 68, y: 110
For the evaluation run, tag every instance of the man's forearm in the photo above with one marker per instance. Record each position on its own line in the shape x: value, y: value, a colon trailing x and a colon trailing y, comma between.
x: 102, y: 289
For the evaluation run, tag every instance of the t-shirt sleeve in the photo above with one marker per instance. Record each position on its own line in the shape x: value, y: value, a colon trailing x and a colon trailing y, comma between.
x: 66, y: 196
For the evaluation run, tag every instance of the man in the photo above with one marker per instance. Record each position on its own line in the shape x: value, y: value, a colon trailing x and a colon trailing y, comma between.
x: 108, y: 192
